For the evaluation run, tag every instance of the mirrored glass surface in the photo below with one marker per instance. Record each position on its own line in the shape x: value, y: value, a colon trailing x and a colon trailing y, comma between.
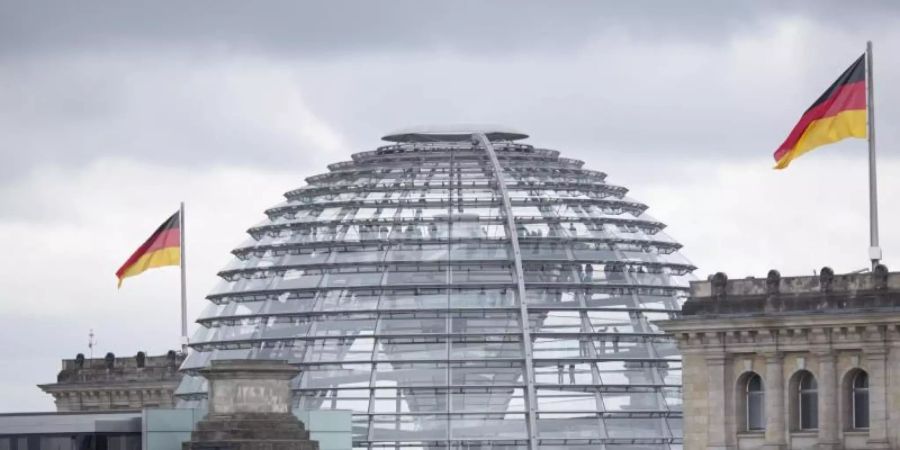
x: 399, y: 287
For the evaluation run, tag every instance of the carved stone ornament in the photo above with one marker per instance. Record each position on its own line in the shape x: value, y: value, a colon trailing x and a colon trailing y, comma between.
x: 773, y: 282
x: 880, y: 276
x: 826, y: 279
x: 110, y: 360
x: 719, y: 281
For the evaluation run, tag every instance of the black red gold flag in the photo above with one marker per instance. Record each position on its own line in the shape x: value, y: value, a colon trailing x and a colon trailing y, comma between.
x: 162, y: 248
x: 838, y: 114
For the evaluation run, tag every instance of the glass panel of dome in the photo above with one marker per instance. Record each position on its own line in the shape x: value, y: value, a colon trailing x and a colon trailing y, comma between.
x: 335, y: 376
x: 419, y: 400
x: 481, y: 274
x: 482, y: 298
x: 418, y: 252
x: 558, y: 347
x: 235, y: 332
x: 191, y: 384
x: 412, y: 323
x: 352, y: 399
x: 364, y: 213
x: 673, y: 398
x: 196, y: 360
x: 350, y: 324
x: 351, y: 277
x: 357, y: 255
x: 619, y: 348
x: 621, y: 427
x: 612, y: 322
x: 488, y: 426
x: 552, y: 298
x: 487, y: 399
x: 290, y: 279
x: 481, y: 212
x: 625, y: 373
x: 676, y: 426
x: 234, y: 353
x: 485, y: 347
x: 405, y: 428
x: 556, y: 321
x: 346, y: 300
x: 292, y: 351
x: 559, y: 400
x: 283, y: 327
x: 408, y: 348
x: 479, y: 251
x: 475, y: 230
x: 338, y: 350
x: 485, y: 323
x: 400, y: 275
x: 414, y: 299
x: 632, y: 401
x: 569, y: 427
x: 411, y: 374
x: 486, y: 373
x: 564, y: 372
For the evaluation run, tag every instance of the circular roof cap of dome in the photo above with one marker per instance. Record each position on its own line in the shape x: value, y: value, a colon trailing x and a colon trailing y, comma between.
x: 453, y: 133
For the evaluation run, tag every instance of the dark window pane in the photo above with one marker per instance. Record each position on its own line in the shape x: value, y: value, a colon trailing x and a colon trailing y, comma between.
x: 861, y: 400
x: 861, y: 409
x: 809, y: 411
x: 756, y: 418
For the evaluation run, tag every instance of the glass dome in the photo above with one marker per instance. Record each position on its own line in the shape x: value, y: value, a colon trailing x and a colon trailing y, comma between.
x: 461, y: 290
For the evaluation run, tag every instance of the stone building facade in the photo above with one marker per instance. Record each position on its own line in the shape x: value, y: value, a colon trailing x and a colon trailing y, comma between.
x: 111, y: 383
x: 791, y: 363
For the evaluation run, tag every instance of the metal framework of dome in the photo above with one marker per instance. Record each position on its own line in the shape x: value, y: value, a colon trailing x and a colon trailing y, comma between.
x: 461, y: 290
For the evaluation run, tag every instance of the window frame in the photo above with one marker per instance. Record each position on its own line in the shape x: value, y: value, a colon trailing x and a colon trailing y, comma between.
x: 805, y: 392
x: 854, y: 391
x: 748, y: 396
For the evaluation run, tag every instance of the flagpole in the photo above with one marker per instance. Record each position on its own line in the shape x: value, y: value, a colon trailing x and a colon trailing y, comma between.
x: 874, y: 249
x: 184, y: 338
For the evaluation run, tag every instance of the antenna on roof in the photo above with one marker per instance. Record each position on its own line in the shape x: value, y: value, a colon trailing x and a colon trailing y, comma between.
x: 91, y: 343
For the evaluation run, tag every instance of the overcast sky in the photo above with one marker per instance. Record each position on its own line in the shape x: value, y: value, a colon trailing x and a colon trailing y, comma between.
x: 113, y: 112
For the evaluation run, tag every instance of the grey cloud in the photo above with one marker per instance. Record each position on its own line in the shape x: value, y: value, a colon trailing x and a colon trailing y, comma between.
x: 329, y: 28
x: 228, y: 82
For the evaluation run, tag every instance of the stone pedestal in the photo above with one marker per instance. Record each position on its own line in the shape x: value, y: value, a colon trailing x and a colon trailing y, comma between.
x: 250, y: 409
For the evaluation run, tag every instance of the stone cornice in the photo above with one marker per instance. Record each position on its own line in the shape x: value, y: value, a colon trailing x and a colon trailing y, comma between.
x: 774, y: 295
x: 112, y: 386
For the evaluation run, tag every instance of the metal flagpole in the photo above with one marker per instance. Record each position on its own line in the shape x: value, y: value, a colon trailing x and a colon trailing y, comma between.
x: 874, y: 249
x: 184, y: 338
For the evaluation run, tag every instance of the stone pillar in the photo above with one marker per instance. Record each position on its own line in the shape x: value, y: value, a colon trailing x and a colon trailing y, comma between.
x: 828, y: 408
x: 878, y: 408
x: 774, y: 397
x: 717, y: 433
x: 250, y: 408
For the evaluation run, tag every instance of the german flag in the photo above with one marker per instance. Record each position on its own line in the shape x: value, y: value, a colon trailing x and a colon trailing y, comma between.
x: 162, y: 248
x: 839, y: 113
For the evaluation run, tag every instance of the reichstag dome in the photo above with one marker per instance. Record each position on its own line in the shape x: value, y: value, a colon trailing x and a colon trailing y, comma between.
x: 461, y: 289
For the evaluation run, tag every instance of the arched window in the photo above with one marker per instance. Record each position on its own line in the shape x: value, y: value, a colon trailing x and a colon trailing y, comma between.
x: 808, y: 402
x: 755, y: 401
x: 859, y: 400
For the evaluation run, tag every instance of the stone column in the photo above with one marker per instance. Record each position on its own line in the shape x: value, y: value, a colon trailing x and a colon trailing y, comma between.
x: 877, y: 370
x: 717, y: 433
x: 250, y: 408
x: 827, y: 397
x: 774, y: 397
